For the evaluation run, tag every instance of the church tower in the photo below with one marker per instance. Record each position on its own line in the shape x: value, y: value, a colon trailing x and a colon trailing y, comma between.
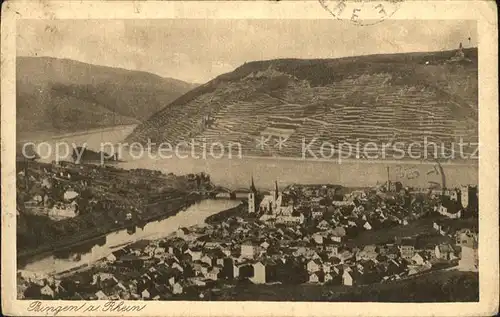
x: 251, y: 203
x: 251, y: 198
x: 252, y: 187
x: 276, y: 190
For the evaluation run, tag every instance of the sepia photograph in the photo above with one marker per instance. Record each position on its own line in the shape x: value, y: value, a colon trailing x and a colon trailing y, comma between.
x: 247, y: 159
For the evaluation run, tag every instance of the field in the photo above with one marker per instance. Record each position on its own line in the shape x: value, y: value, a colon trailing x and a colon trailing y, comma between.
x: 419, y: 226
x: 439, y: 286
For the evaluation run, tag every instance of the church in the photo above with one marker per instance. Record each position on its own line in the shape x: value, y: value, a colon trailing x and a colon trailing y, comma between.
x: 273, y: 206
x: 270, y: 204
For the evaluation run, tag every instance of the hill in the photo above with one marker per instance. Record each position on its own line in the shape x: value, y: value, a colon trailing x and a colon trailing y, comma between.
x: 374, y: 98
x: 66, y: 95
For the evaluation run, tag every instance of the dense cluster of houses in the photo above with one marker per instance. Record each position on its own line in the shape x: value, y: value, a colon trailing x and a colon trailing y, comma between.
x: 304, y: 234
x: 51, y: 192
x: 63, y: 190
x: 368, y: 209
x: 201, y: 261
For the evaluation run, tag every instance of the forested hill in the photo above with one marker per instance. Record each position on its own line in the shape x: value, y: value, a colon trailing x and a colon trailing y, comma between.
x: 66, y: 95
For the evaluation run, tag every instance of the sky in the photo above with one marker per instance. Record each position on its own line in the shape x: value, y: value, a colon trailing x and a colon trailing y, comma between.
x: 198, y: 50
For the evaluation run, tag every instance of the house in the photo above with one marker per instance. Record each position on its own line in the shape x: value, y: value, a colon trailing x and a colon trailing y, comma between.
x: 367, y: 226
x: 226, y: 250
x: 196, y: 265
x: 348, y: 278
x: 243, y: 269
x: 195, y: 253
x: 259, y: 273
x: 265, y: 245
x: 317, y: 277
x: 333, y: 249
x: 47, y: 291
x: 204, y: 268
x: 323, y: 225
x: 213, y: 273
x: 130, y: 260
x: 207, y: 259
x: 177, y: 288
x: 102, y: 276
x: 339, y: 232
x: 318, y: 238
x: 415, y: 269
x: 465, y: 237
x: 419, y: 258
x: 153, y: 250
x: 70, y: 195
x: 327, y: 267
x: 407, y: 248
x: 469, y: 260
x: 289, y: 219
x: 369, y: 252
x: 444, y: 252
x: 436, y: 226
x: 172, y: 281
x: 145, y: 294
x: 335, y: 238
x: 177, y: 247
x: 161, y: 291
x: 177, y: 266
x: 182, y: 233
x: 390, y: 251
x: 314, y: 265
x: 394, y: 267
x: 264, y: 271
x: 345, y: 255
x: 101, y: 296
x: 331, y: 277
x: 198, y: 281
x: 249, y: 249
x: 317, y: 213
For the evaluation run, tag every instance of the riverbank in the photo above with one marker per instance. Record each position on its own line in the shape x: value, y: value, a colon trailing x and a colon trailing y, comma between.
x: 60, y: 135
x: 174, y: 206
x: 224, y: 214
x: 232, y: 212
x: 80, y: 257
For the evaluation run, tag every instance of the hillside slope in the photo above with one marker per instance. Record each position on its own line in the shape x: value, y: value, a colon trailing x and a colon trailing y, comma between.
x: 65, y: 95
x: 377, y: 98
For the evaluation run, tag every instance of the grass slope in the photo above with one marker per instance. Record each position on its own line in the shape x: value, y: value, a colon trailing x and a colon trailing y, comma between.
x: 438, y: 286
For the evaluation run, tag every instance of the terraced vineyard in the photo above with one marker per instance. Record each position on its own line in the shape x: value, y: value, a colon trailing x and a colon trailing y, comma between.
x: 379, y: 98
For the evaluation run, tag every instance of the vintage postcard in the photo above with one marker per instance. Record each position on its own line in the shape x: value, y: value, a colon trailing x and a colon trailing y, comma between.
x: 257, y: 158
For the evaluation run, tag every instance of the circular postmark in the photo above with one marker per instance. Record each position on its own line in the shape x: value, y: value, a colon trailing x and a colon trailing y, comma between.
x: 361, y: 12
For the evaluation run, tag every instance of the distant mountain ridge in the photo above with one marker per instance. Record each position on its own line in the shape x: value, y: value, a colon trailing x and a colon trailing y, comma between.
x: 66, y: 95
x: 375, y: 98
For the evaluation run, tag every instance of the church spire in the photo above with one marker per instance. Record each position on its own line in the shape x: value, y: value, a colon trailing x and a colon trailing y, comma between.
x: 276, y: 190
x: 252, y: 187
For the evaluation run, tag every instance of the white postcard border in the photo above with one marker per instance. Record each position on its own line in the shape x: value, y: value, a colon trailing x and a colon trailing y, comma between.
x: 482, y: 11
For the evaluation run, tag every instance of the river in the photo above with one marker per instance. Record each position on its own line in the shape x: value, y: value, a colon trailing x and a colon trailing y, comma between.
x: 236, y: 173
x: 193, y: 215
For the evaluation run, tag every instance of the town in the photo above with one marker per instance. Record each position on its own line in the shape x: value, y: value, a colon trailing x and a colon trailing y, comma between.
x: 321, y: 235
x: 63, y: 203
